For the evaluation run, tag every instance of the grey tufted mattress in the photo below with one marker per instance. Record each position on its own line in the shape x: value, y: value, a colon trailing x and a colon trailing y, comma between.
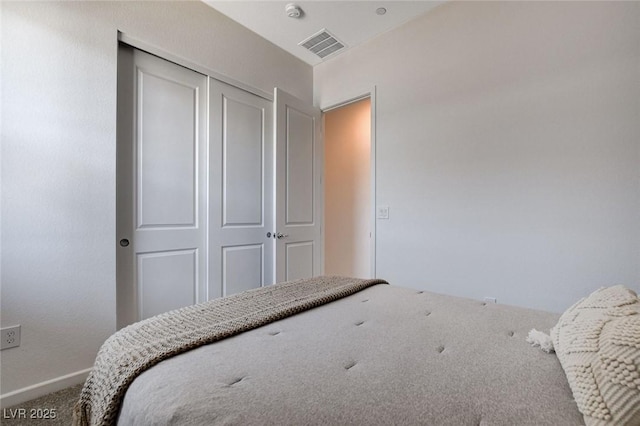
x: 385, y: 355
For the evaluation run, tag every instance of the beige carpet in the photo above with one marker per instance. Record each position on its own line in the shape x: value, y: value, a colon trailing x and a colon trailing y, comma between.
x: 60, y: 402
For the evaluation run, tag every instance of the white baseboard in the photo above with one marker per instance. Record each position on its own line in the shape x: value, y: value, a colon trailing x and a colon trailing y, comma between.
x: 39, y: 389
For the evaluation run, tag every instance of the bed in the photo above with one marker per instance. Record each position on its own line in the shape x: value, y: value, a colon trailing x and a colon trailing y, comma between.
x: 347, y: 352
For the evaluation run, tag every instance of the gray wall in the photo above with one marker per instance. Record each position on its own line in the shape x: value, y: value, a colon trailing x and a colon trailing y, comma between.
x: 58, y: 159
x: 508, y: 148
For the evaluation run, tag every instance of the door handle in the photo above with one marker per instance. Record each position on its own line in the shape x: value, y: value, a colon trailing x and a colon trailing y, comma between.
x: 124, y: 242
x: 281, y: 235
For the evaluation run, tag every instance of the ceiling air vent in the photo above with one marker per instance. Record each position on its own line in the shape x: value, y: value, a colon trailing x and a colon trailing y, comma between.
x: 322, y: 44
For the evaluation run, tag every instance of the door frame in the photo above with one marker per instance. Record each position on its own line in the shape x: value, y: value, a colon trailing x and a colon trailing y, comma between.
x: 344, y: 101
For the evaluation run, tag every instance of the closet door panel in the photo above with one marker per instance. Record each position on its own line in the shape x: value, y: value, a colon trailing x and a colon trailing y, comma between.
x: 241, y: 179
x: 242, y: 268
x: 243, y: 169
x: 161, y: 195
x: 298, y: 188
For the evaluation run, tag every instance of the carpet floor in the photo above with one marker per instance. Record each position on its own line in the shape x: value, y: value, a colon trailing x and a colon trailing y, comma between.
x: 61, y: 403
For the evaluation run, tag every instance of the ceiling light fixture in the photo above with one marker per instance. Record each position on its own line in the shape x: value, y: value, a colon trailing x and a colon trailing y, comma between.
x: 381, y: 11
x: 293, y: 11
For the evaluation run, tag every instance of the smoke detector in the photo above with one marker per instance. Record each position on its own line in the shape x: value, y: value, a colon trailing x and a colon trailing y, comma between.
x: 293, y: 11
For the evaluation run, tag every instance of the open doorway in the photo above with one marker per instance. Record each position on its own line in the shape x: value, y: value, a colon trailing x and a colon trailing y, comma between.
x: 348, y: 190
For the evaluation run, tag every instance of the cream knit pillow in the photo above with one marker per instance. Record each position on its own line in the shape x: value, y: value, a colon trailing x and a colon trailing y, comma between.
x: 598, y: 343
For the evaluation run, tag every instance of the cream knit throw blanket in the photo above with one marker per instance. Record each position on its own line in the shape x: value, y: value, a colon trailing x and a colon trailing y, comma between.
x: 140, y: 346
x: 597, y: 341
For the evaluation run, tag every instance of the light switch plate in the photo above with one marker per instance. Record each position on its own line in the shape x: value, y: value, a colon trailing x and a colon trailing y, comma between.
x: 382, y: 212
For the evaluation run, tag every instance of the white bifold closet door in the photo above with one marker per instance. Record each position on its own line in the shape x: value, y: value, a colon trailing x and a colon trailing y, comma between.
x: 201, y: 211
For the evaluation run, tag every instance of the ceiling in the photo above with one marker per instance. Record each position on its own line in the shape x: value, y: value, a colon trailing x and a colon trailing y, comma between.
x: 351, y: 22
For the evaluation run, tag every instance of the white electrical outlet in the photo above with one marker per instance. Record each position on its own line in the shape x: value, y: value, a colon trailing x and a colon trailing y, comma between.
x: 491, y: 300
x: 10, y: 337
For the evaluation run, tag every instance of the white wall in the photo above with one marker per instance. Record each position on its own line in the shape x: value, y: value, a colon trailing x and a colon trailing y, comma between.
x: 508, y: 148
x: 347, y: 190
x: 58, y: 159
